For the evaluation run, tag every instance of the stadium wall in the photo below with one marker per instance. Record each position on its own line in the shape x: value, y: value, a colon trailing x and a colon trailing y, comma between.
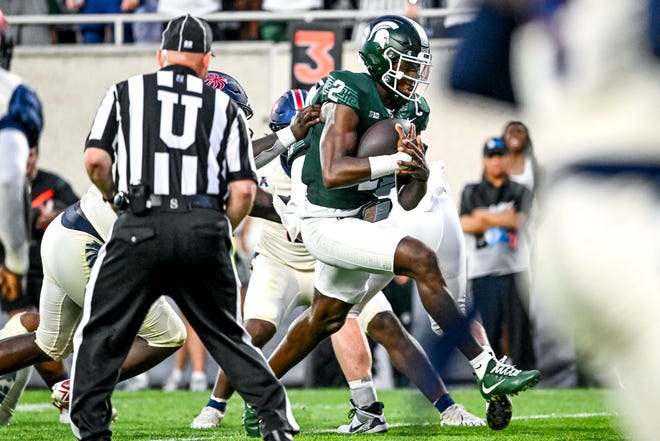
x: 71, y: 80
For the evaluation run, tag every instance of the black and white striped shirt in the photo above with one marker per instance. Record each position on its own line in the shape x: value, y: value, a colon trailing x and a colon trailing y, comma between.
x: 170, y: 131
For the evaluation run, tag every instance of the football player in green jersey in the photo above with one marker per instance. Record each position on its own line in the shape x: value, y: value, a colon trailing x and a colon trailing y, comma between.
x: 339, y: 207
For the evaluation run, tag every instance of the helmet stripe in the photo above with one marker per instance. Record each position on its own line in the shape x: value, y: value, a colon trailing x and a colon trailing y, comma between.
x: 298, y: 98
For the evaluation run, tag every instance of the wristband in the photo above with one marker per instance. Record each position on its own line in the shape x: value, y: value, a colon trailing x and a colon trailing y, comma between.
x: 386, y: 164
x: 286, y: 137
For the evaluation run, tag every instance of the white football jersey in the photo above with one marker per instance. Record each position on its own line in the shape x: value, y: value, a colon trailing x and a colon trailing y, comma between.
x: 273, y: 241
x: 98, y: 212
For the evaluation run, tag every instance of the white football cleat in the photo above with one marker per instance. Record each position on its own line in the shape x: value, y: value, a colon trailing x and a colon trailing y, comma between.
x: 456, y: 415
x: 208, y: 418
x: 65, y: 418
x: 365, y: 420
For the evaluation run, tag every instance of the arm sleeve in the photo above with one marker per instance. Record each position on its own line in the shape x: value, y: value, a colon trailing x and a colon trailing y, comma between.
x: 14, y: 150
x: 266, y: 156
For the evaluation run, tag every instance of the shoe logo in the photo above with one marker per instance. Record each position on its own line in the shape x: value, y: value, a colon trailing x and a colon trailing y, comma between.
x: 487, y: 390
x: 358, y: 427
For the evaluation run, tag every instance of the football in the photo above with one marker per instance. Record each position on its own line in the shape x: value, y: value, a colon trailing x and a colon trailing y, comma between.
x: 60, y: 395
x: 381, y: 138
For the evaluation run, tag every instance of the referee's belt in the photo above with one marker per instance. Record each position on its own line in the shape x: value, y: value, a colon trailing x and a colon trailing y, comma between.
x: 184, y: 202
x: 73, y: 218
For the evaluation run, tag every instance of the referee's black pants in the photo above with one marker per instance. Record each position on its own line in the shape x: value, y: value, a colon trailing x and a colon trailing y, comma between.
x: 186, y: 255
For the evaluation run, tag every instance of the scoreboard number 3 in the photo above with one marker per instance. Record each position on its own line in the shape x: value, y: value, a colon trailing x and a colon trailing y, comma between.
x: 315, y: 52
x: 318, y: 44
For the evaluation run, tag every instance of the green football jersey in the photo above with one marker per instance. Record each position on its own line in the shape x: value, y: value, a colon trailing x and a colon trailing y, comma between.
x: 358, y: 91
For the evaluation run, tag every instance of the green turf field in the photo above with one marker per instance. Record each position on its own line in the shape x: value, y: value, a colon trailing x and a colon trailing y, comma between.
x: 540, y: 414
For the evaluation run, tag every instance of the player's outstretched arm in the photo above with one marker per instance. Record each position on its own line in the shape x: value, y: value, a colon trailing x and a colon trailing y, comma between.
x: 271, y: 146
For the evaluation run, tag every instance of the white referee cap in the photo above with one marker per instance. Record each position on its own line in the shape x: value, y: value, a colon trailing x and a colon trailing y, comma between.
x: 187, y: 34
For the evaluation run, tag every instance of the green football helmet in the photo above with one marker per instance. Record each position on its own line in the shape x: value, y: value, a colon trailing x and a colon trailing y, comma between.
x: 394, y: 48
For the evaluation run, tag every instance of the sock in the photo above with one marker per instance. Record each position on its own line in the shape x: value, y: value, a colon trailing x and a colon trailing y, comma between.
x: 480, y: 363
x: 443, y: 402
x: 12, y: 386
x: 363, y: 392
x: 217, y: 403
x: 487, y: 347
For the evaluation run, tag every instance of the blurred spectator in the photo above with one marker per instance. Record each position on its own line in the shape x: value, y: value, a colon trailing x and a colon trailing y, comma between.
x: 523, y: 167
x: 555, y: 357
x: 147, y: 32
x: 102, y: 32
x: 493, y: 216
x: 27, y: 34
x: 62, y: 33
x: 277, y: 30
x: 195, y: 351
x: 457, y: 24
x: 408, y: 8
x: 246, y: 30
x: 197, y: 8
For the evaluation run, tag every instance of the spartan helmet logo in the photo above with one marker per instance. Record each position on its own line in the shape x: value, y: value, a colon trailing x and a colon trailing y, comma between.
x: 380, y: 34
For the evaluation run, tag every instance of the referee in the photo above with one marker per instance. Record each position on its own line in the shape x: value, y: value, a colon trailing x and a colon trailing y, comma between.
x: 175, y: 158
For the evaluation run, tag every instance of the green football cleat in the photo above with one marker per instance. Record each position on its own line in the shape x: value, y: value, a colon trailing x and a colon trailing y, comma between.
x: 503, y: 379
x: 499, y: 410
x: 251, y: 422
